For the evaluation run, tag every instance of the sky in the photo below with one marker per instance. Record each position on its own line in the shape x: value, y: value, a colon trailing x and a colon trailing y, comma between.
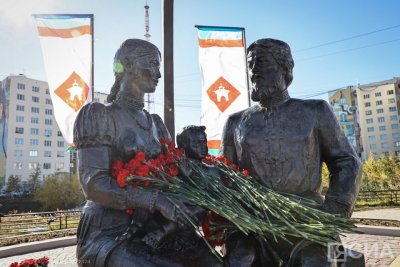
x: 334, y: 43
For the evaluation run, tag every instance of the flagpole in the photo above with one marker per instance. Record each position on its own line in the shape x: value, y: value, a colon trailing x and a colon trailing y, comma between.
x: 92, y: 22
x: 247, y: 68
x: 168, y: 34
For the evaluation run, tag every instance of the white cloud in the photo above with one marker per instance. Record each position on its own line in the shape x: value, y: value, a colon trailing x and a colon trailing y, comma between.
x: 17, y: 14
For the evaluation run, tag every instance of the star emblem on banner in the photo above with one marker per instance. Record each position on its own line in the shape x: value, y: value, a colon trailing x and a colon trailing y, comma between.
x: 74, y: 91
x: 222, y: 93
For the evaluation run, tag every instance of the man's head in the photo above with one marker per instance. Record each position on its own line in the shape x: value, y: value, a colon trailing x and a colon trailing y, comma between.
x: 270, y: 68
x: 193, y: 140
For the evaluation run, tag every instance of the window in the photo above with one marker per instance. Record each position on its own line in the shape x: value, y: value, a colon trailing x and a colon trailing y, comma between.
x: 386, y: 153
x: 17, y: 165
x: 381, y: 119
x: 48, y: 101
x: 390, y: 92
x: 33, y: 153
x: 60, y: 154
x: 392, y: 100
x: 48, y: 111
x: 47, y: 154
x: 33, y: 165
x: 391, y: 109
x: 396, y: 144
x: 370, y: 129
x: 371, y: 138
x: 21, y: 86
x: 18, y: 153
x: 48, y: 122
x: 47, y: 143
x: 35, y: 120
x: 384, y: 145
x: 34, y: 131
x: 34, y: 142
x: 396, y: 135
x: 35, y: 89
x: 20, y: 108
x: 19, y: 141
x: 377, y: 94
x: 394, y: 118
x: 395, y: 126
x: 34, y: 110
x: 19, y: 119
x: 60, y: 143
x: 378, y: 103
x: 370, y: 121
x: 47, y: 133
x: 19, y: 130
x: 35, y: 99
x: 59, y: 166
x: 367, y: 104
x: 47, y: 92
x: 46, y: 166
x: 379, y: 110
x: 382, y: 128
x: 20, y: 97
x: 59, y: 133
x: 384, y: 136
x: 366, y: 96
x: 372, y: 146
x: 368, y: 112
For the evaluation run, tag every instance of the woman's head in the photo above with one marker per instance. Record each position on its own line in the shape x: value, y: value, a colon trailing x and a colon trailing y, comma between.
x: 136, y: 67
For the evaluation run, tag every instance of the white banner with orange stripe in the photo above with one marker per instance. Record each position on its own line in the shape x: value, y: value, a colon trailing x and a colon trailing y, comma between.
x: 66, y: 42
x: 222, y: 61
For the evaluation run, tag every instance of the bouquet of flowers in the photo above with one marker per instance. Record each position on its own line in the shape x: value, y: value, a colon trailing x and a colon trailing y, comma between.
x: 42, y: 262
x: 236, y: 201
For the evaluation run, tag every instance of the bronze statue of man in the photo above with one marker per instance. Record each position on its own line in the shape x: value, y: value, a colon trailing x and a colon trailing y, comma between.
x: 283, y: 141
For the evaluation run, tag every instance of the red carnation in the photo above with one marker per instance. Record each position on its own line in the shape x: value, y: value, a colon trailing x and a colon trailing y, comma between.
x: 121, y: 178
x: 43, y: 261
x: 246, y: 172
x: 116, y: 167
x: 28, y: 263
x: 143, y: 170
x: 173, y: 170
x: 14, y: 264
x: 130, y: 211
x: 140, y: 156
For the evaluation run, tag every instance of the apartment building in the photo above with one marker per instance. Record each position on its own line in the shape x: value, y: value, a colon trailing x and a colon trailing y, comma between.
x: 29, y: 133
x: 379, y: 104
x: 344, y: 104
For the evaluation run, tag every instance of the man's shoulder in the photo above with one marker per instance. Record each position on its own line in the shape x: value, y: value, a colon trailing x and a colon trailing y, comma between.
x: 238, y: 115
x: 309, y: 103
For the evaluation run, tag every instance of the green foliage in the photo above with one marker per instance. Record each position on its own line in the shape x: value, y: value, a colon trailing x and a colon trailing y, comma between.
x: 381, y: 174
x: 60, y: 192
x: 34, y: 182
x: 13, y: 183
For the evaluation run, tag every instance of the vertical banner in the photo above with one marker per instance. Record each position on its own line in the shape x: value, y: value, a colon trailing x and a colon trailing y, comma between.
x: 66, y: 42
x: 222, y: 58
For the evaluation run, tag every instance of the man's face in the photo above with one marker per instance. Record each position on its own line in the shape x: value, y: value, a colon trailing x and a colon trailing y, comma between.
x: 145, y: 73
x: 197, y: 145
x: 266, y: 76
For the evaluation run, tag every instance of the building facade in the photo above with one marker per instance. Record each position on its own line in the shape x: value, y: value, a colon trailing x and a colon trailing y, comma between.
x: 30, y: 137
x: 379, y: 105
x: 344, y: 104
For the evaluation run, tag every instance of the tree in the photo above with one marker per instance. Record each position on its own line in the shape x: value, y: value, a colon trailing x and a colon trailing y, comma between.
x: 34, y: 182
x: 13, y: 183
x: 60, y: 191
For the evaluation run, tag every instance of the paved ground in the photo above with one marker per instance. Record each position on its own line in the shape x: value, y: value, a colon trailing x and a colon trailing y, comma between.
x: 379, y: 251
x: 384, y: 214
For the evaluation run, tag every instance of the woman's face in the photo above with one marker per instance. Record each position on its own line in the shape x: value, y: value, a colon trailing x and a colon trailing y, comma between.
x: 144, y: 73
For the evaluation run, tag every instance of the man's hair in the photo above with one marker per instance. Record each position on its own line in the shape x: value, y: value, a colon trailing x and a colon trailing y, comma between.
x: 182, y: 139
x: 280, y: 51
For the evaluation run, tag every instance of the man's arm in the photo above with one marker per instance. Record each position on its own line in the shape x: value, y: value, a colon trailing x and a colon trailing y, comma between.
x: 342, y: 161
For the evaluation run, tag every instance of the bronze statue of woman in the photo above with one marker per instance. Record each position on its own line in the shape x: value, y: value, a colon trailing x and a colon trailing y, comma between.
x: 117, y: 131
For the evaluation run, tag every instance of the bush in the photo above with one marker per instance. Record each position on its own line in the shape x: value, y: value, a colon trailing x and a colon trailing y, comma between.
x: 60, y: 192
